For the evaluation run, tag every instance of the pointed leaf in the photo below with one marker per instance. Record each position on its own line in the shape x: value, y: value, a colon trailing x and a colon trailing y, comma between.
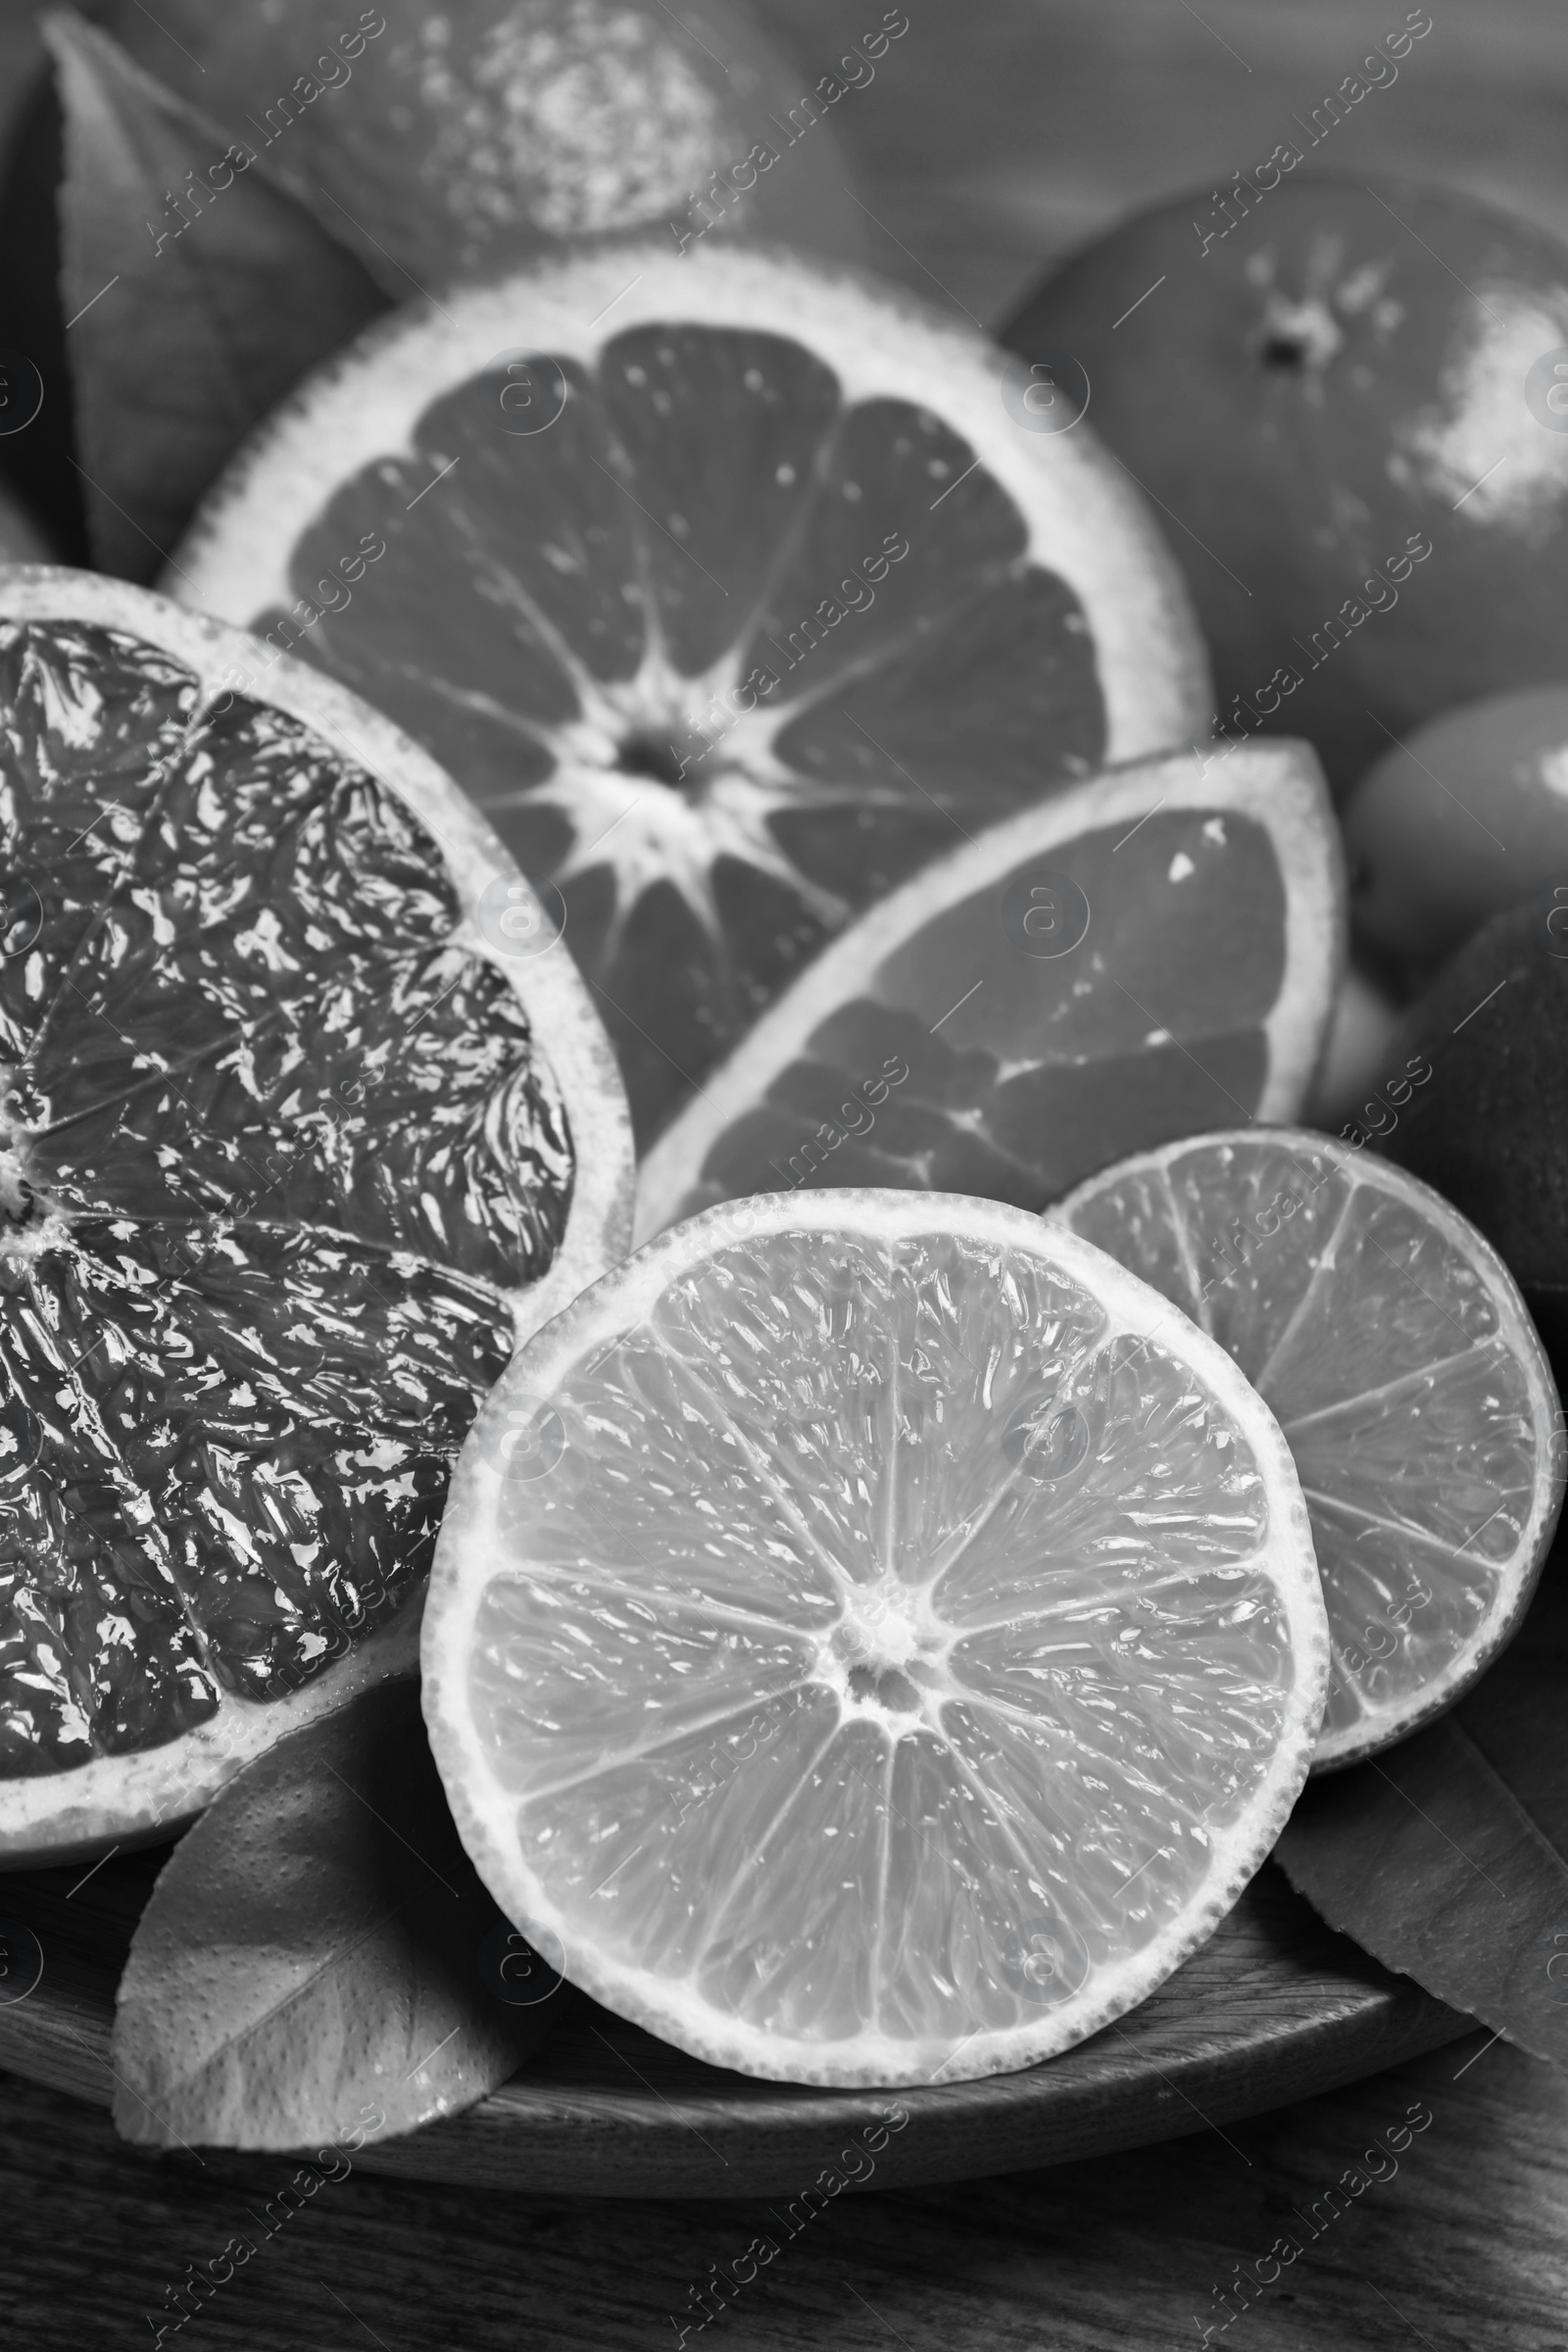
x: 1446, y: 1857
x: 197, y: 290
x: 319, y: 1956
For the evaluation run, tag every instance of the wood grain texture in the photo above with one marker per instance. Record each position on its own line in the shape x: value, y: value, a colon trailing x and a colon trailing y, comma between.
x: 1464, y: 2247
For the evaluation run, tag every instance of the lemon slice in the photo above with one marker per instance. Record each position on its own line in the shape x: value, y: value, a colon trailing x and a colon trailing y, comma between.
x: 1393, y: 1344
x: 859, y: 1654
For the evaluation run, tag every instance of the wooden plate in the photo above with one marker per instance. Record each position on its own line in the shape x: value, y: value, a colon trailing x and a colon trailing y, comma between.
x: 1274, y: 2008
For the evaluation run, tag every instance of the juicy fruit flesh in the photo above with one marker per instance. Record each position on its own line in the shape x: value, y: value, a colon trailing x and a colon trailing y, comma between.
x: 1014, y: 1089
x: 274, y: 1147
x: 679, y: 661
x: 1375, y: 1341
x: 824, y: 1676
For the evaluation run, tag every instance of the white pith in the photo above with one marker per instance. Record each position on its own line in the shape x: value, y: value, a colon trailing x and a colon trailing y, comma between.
x: 466, y: 1560
x: 1084, y: 520
x: 1515, y: 1579
x: 125, y: 1799
x: 1278, y: 785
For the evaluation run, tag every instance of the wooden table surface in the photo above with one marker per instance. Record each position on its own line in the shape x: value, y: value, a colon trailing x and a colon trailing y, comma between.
x: 996, y: 135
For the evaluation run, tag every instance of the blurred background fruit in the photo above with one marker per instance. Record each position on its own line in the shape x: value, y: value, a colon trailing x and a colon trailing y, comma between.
x: 1358, y: 1049
x: 1462, y: 820
x: 475, y: 135
x: 454, y: 141
x: 1344, y: 397
x: 1490, y: 1127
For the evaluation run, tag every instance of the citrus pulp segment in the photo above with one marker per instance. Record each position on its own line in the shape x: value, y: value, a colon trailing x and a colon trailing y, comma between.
x: 292, y: 1153
x: 856, y: 1653
x: 1395, y: 1349
x: 730, y: 590
x: 1144, y: 957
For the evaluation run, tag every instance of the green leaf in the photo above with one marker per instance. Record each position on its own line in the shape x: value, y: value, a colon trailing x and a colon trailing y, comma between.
x: 1446, y: 1857
x: 197, y: 289
x: 319, y: 1956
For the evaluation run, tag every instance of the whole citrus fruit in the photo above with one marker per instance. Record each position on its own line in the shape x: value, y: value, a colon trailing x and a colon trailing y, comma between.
x: 1458, y: 822
x: 444, y: 140
x: 1353, y: 403
x: 1488, y: 1125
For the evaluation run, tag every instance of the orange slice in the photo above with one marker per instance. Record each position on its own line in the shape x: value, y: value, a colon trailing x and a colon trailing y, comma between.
x: 1151, y: 953
x: 731, y: 590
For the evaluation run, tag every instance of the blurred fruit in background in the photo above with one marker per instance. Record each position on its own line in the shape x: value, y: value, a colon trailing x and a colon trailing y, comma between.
x: 436, y: 144
x: 1460, y: 822
x: 482, y: 133
x: 1490, y: 1127
x: 1359, y: 1049
x: 1351, y: 403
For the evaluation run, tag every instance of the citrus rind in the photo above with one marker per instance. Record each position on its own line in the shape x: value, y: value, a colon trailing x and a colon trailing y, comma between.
x: 130, y: 1798
x: 1276, y: 785
x: 1380, y: 1725
x: 466, y: 1558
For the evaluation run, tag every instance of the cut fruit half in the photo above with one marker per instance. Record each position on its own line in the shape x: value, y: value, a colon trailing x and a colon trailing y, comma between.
x: 1392, y: 1345
x: 861, y: 1656
x: 295, y: 1149
x: 729, y: 588
x: 1146, y: 956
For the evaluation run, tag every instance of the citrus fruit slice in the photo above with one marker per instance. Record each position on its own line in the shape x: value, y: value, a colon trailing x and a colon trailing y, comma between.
x: 855, y: 1653
x: 730, y: 590
x: 1141, y: 958
x: 293, y: 1150
x: 1396, y: 1352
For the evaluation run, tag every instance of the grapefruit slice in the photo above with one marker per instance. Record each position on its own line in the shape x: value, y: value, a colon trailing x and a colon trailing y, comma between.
x: 731, y: 590
x: 1146, y: 956
x: 856, y: 1653
x: 1392, y: 1345
x: 293, y: 1149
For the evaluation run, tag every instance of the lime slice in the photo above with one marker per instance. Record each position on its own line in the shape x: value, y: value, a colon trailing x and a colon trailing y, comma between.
x: 294, y: 1149
x: 1148, y: 955
x: 856, y: 1654
x: 731, y: 590
x: 1392, y: 1345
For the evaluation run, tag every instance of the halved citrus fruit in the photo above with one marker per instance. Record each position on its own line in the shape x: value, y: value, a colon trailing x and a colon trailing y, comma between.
x: 294, y: 1148
x: 1141, y: 958
x: 859, y: 1654
x: 731, y: 590
x: 1392, y: 1345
